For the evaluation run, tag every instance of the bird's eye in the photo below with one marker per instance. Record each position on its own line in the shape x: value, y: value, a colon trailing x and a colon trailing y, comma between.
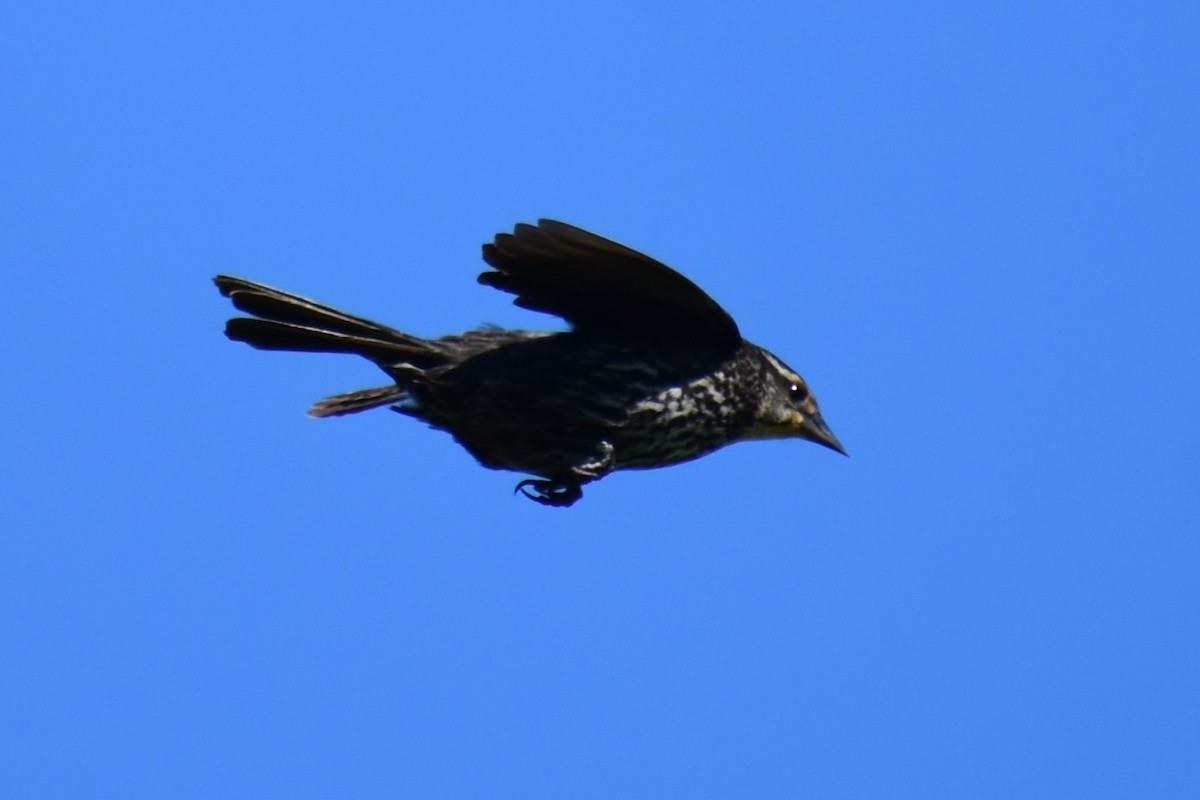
x: 798, y: 391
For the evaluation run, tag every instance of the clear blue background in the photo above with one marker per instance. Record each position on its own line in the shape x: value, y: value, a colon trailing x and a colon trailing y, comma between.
x: 971, y: 226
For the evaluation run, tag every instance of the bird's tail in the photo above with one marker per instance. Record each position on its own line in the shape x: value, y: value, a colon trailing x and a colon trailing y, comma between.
x: 286, y: 321
x: 357, y: 400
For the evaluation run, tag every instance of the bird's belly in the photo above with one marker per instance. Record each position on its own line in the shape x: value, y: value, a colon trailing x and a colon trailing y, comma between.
x: 551, y: 406
x: 678, y: 424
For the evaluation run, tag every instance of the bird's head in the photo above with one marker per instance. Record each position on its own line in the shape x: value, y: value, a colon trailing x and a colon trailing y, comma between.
x: 787, y: 408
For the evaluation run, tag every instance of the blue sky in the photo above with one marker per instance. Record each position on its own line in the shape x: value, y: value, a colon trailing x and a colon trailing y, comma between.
x: 972, y: 227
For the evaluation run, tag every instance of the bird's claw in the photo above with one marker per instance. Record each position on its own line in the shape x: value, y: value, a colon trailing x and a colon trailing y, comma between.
x: 550, y: 492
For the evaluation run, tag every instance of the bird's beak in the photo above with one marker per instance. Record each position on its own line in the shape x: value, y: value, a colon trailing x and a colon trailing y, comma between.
x: 815, y: 430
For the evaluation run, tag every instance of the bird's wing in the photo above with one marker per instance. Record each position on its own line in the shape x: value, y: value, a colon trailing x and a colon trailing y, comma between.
x: 603, y: 287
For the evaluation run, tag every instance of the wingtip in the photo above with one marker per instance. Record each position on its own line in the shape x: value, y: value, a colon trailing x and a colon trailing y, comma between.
x: 223, y: 284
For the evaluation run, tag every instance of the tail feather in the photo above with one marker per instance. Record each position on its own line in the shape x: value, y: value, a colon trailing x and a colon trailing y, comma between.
x: 286, y: 321
x: 357, y: 400
x: 265, y: 334
x: 277, y: 305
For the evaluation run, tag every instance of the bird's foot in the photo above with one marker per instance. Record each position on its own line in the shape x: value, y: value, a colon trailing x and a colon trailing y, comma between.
x: 550, y: 492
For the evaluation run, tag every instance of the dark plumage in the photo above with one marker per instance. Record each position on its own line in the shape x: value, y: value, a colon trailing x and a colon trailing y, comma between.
x: 652, y: 372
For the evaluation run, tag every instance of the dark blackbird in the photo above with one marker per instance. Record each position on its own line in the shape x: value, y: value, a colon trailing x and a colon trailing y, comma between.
x: 652, y: 372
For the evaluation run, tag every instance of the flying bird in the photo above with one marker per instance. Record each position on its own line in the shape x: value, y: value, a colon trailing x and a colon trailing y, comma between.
x: 652, y: 372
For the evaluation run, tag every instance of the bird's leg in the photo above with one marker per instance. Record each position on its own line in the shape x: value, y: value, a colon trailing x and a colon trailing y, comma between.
x: 598, y: 468
x: 564, y: 491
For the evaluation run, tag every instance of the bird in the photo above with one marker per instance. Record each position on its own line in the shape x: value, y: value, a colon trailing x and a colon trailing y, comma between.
x: 651, y: 371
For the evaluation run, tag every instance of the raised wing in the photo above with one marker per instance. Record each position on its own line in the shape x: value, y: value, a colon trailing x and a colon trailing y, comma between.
x: 603, y: 287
